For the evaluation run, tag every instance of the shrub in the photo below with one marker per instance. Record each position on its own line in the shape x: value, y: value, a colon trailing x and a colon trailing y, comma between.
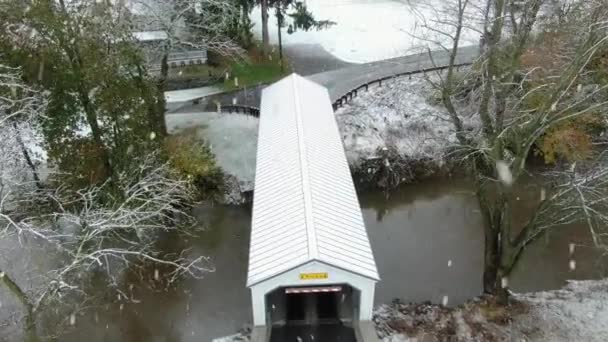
x: 192, y: 158
x: 572, y: 140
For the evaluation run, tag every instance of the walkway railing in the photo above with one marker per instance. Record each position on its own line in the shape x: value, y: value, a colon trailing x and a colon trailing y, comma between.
x: 344, y: 99
x: 229, y: 108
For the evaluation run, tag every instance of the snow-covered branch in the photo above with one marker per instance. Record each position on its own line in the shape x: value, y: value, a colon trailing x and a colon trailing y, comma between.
x: 21, y: 107
x: 187, y: 24
x: 94, y: 233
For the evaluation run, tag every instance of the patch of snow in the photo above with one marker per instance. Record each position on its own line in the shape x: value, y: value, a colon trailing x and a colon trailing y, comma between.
x: 371, y: 30
x: 399, y: 115
x: 232, y: 338
x: 578, y: 312
x: 185, y: 95
x: 147, y: 36
x: 232, y: 138
x: 399, y: 338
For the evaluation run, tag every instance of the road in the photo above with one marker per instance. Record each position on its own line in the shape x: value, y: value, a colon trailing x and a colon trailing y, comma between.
x: 341, y: 81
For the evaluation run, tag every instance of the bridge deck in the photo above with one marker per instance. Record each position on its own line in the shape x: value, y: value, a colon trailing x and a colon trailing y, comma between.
x: 336, y: 332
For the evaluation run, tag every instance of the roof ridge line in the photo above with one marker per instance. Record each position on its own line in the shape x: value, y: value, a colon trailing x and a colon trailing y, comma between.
x: 308, y: 217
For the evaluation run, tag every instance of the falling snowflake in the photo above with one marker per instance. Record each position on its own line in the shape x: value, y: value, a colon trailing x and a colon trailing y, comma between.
x: 152, y: 136
x: 572, y: 265
x: 444, y: 301
x: 543, y: 194
x: 156, y: 275
x: 504, y: 173
x: 571, y: 248
x: 504, y: 282
x: 449, y: 263
x: 72, y: 319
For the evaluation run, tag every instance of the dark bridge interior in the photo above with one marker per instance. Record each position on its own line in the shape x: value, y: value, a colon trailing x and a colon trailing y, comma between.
x: 319, y: 314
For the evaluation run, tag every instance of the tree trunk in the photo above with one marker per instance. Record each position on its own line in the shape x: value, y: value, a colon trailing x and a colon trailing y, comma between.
x: 161, y: 105
x: 28, y: 159
x: 265, y: 37
x: 29, y: 327
x: 77, y: 65
x: 91, y: 118
x: 491, y: 261
x: 155, y: 102
x: 280, y: 25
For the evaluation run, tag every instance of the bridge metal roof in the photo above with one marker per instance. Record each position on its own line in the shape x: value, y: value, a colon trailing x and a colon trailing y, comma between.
x: 305, y: 205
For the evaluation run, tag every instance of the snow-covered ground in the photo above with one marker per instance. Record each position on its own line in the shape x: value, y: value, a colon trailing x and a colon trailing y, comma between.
x: 232, y: 137
x: 399, y: 114
x: 578, y: 312
x: 176, y: 96
x: 372, y: 30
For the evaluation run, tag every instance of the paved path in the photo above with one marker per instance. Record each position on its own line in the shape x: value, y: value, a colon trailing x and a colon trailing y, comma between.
x: 309, y: 59
x: 341, y: 81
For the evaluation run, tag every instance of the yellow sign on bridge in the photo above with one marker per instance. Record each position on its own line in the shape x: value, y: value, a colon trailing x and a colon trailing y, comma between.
x: 313, y: 276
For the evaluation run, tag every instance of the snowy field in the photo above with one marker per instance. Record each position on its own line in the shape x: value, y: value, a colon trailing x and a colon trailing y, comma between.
x: 232, y: 137
x: 398, y: 114
x: 372, y: 30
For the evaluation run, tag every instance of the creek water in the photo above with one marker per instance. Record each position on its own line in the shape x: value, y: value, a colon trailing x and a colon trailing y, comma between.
x: 428, y: 243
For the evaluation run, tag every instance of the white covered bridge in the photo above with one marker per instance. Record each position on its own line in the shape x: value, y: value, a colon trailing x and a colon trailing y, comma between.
x: 312, y: 272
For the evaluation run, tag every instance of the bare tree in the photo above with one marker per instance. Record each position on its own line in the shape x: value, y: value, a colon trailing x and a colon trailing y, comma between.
x: 517, y: 104
x: 94, y: 235
x: 20, y: 108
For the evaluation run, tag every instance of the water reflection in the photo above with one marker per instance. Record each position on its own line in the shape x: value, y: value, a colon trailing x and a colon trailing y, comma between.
x: 428, y: 243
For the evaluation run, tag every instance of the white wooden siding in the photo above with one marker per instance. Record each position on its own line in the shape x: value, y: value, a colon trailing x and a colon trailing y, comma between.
x: 305, y: 204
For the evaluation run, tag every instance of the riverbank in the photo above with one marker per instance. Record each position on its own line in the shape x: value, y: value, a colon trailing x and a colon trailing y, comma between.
x: 577, y: 312
x: 396, y: 133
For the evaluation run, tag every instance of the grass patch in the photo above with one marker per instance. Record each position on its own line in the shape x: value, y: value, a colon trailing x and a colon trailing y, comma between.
x: 257, y: 70
x: 253, y: 70
x: 198, y: 71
